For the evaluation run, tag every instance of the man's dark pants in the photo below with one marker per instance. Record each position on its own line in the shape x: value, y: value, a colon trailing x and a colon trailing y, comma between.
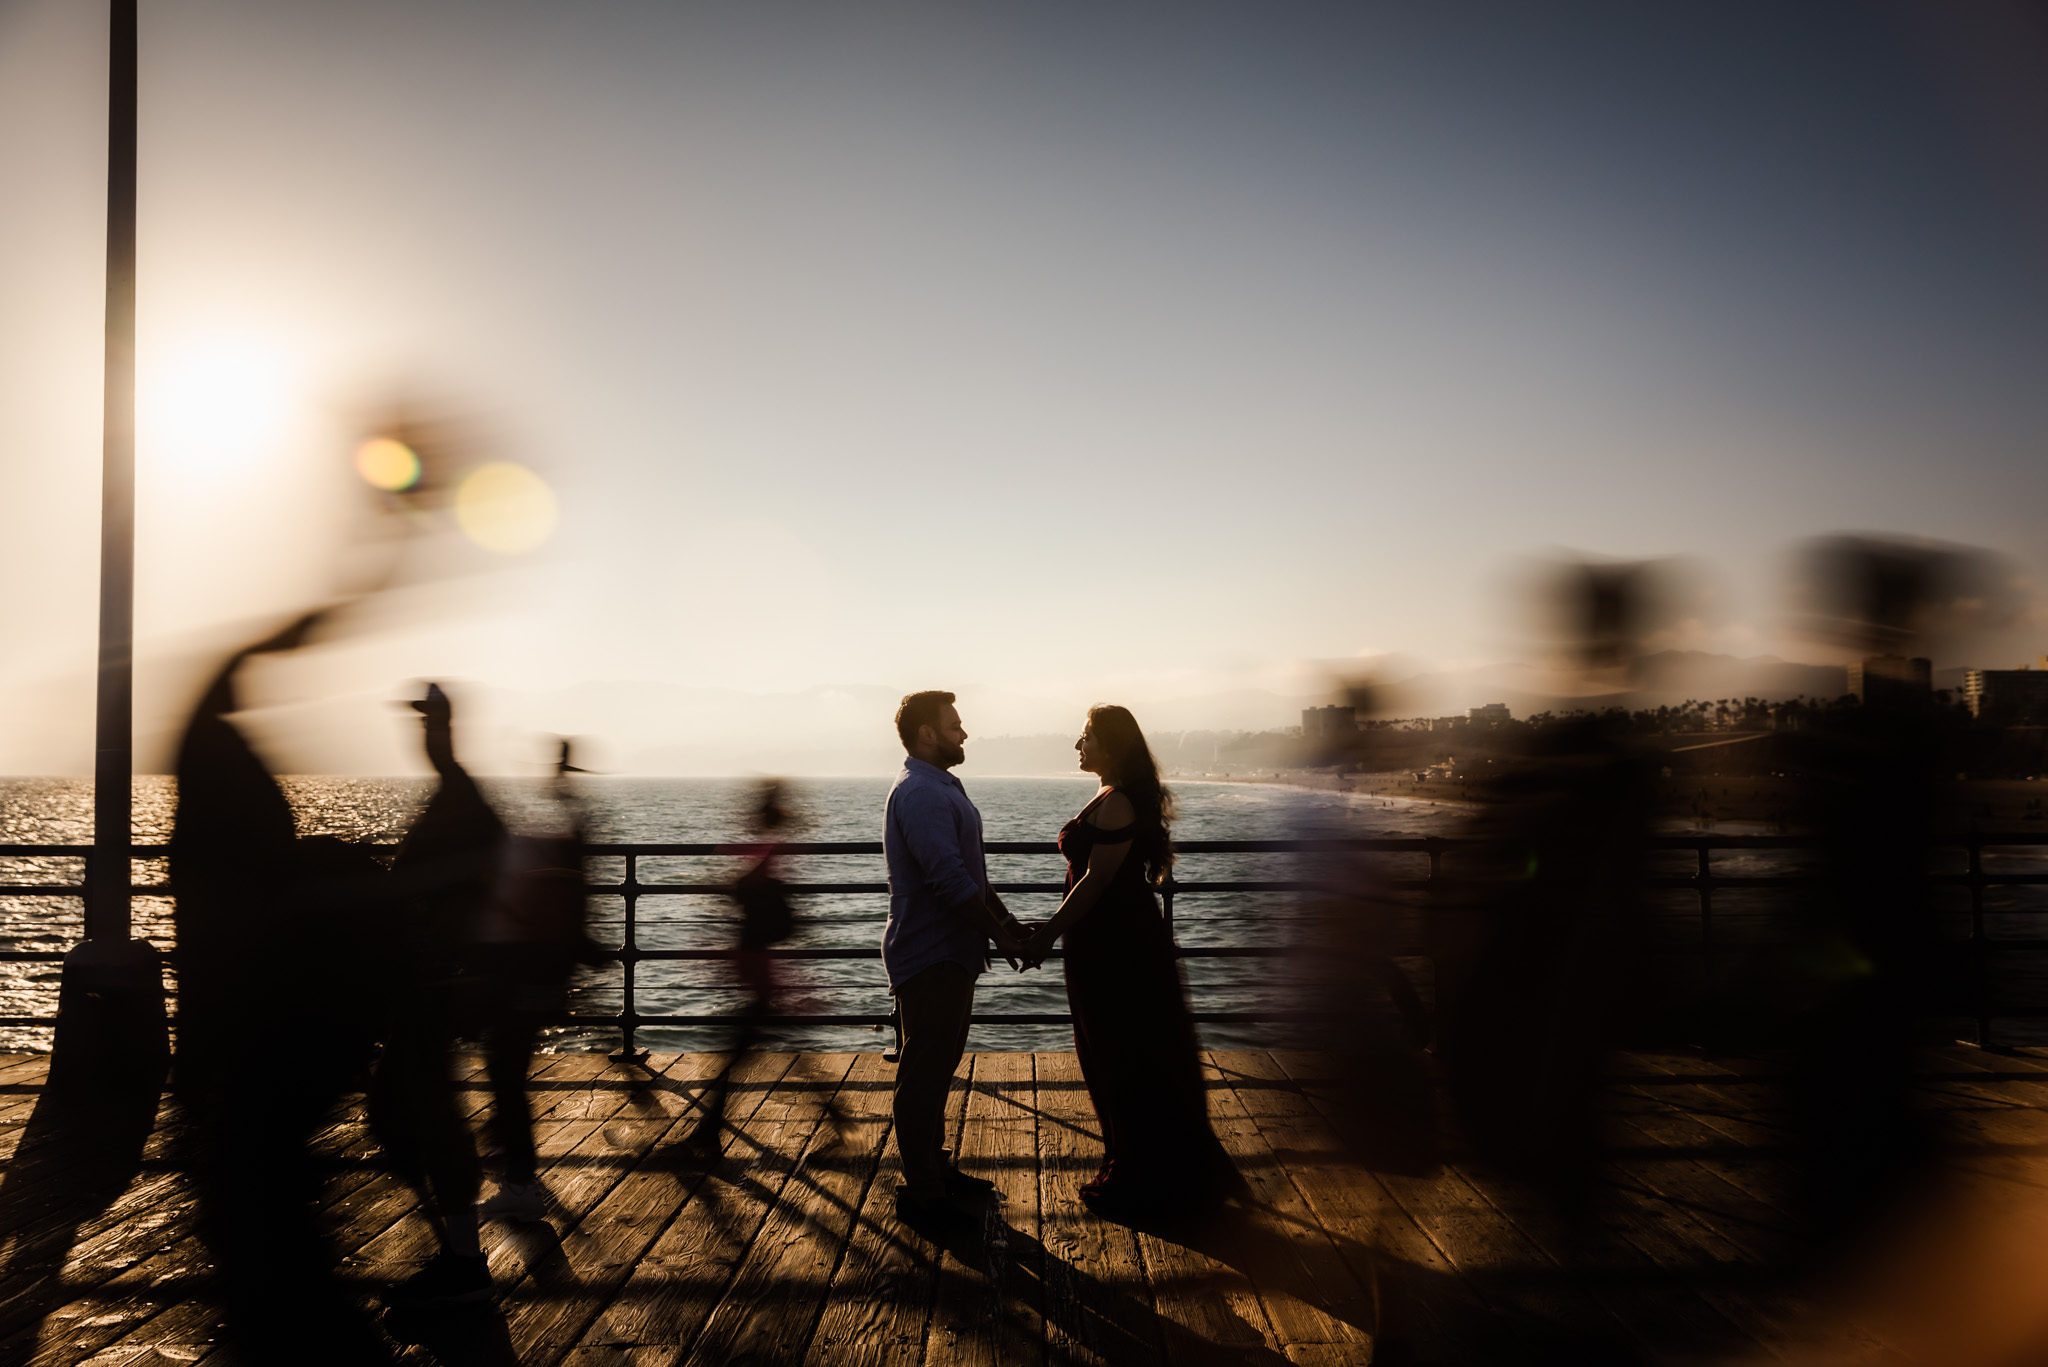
x: 935, y: 1006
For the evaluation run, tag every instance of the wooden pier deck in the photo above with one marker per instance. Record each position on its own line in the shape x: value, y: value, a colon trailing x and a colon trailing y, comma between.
x: 785, y: 1250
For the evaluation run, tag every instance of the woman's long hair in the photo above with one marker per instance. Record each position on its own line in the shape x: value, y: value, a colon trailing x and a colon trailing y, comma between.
x: 1128, y: 767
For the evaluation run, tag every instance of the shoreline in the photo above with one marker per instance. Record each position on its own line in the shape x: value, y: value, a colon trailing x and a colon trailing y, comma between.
x: 1346, y: 785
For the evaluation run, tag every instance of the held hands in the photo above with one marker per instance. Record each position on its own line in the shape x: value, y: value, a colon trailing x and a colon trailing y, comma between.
x: 1009, y: 945
x: 1035, y: 949
x: 1024, y: 944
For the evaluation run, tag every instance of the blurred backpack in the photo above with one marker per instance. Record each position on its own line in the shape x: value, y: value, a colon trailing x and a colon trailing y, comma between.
x: 541, y: 897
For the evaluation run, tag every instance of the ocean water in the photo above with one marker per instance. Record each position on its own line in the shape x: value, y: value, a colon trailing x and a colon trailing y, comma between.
x: 58, y: 811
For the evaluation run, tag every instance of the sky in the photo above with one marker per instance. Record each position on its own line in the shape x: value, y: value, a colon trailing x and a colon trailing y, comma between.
x: 1174, y: 355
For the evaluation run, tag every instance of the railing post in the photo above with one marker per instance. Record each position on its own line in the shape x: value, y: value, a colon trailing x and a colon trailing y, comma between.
x: 112, y: 1037
x: 1979, y: 946
x: 1704, y: 876
x: 629, y: 956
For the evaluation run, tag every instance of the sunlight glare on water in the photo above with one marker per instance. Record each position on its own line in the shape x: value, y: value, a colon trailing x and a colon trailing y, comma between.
x: 648, y: 810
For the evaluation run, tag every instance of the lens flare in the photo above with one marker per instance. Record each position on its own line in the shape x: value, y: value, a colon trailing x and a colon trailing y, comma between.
x: 505, y: 508
x: 388, y: 465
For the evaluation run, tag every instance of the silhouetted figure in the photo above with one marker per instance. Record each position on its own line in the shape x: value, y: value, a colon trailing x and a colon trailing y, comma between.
x: 528, y: 942
x: 942, y: 915
x: 1540, y: 962
x: 1133, y: 1033
x: 1371, y: 1022
x: 1867, y: 957
x: 766, y: 919
x: 445, y: 870
x: 282, y: 982
x: 1369, y: 1019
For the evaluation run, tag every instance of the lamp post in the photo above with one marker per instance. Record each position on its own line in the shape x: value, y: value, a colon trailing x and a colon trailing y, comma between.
x: 108, y: 876
x: 112, y: 1037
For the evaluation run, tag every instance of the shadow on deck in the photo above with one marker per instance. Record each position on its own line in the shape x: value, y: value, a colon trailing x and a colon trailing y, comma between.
x: 785, y: 1248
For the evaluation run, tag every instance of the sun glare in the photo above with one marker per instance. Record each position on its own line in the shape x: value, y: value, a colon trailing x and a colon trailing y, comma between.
x: 215, y: 404
x: 505, y: 508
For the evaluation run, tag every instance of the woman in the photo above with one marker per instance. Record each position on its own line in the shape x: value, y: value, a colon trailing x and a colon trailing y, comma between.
x: 766, y: 919
x: 1132, y: 1031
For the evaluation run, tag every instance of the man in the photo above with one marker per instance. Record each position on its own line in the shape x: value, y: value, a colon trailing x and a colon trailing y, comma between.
x: 942, y: 915
x: 444, y: 866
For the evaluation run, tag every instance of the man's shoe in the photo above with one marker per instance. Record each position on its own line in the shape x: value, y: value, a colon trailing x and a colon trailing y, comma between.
x: 959, y: 1184
x: 450, y: 1279
x: 524, y: 1202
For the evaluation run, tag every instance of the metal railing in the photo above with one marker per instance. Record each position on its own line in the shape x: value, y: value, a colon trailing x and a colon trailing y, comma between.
x: 1703, y: 881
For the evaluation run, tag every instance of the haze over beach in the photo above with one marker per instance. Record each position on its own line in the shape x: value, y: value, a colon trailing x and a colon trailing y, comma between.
x: 864, y: 350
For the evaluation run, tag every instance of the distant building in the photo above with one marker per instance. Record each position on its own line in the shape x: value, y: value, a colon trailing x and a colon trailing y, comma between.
x: 1886, y: 676
x: 1329, y: 723
x: 2007, y: 695
x: 1493, y: 714
x: 1449, y: 723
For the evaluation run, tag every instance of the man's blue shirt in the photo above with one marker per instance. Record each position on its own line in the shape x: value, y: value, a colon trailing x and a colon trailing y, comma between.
x: 931, y: 837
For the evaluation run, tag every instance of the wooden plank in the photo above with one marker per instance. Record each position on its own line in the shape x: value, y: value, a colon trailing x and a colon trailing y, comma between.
x: 1750, y: 1112
x: 183, y: 1328
x: 1734, y: 1102
x: 806, y: 1211
x: 808, y: 1234
x: 1655, y: 1221
x: 1753, y: 1236
x: 360, y: 1201
x: 1210, y: 1311
x: 1467, y: 1240
x: 1650, y: 1247
x: 2026, y: 1059
x: 564, y: 1294
x: 879, y: 1309
x: 384, y: 1247
x: 1311, y: 1295
x: 598, y: 1118
x: 999, y: 1142
x: 1977, y: 1101
x: 797, y: 1254
x: 1426, y: 1312
x: 1723, y: 1192
x: 1097, y: 1304
x: 52, y: 1195
x: 988, y: 1307
x: 126, y: 1299
x: 1763, y: 1175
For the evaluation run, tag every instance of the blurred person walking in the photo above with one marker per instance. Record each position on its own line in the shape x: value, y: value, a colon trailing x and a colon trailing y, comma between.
x: 531, y: 935
x: 1868, y: 965
x: 1541, y: 970
x: 1133, y: 1032
x: 445, y: 868
x: 284, y: 979
x: 766, y: 919
x: 942, y: 915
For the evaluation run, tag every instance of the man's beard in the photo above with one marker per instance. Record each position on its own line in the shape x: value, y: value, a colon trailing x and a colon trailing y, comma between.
x: 951, y: 755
